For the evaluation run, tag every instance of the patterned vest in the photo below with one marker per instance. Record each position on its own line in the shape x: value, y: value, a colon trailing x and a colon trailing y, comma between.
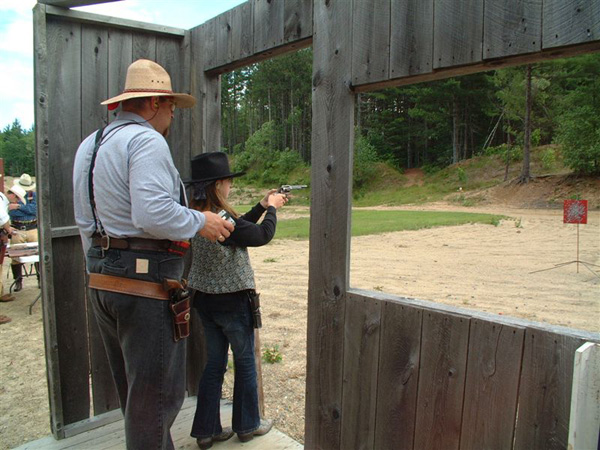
x: 219, y: 269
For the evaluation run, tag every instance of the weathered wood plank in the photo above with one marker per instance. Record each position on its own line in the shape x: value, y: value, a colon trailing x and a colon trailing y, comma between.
x: 171, y: 54
x: 71, y: 326
x: 570, y: 22
x: 584, y: 426
x: 42, y: 144
x: 545, y: 391
x: 241, y: 31
x: 361, y: 357
x: 399, y: 359
x: 144, y: 46
x: 120, y: 56
x: 444, y: 348
x: 197, y: 80
x: 268, y: 24
x: 94, y: 78
x: 512, y: 27
x: 370, y: 41
x: 458, y: 32
x: 64, y: 90
x: 411, y: 37
x: 332, y: 150
x: 297, y: 20
x: 492, y: 386
x: 97, y: 19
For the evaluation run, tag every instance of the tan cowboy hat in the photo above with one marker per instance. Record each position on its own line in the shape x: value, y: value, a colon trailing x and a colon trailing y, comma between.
x: 19, y: 192
x: 25, y: 182
x: 145, y: 78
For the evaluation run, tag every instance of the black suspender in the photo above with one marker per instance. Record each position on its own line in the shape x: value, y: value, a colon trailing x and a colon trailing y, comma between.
x: 91, y: 178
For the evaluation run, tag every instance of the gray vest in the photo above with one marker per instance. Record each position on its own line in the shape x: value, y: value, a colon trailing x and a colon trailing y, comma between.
x: 219, y: 269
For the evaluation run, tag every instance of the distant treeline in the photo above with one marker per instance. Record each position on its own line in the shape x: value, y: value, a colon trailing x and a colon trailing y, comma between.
x: 17, y: 149
x: 267, y: 112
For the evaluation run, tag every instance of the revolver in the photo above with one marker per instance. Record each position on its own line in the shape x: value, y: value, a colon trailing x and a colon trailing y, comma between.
x: 287, y: 188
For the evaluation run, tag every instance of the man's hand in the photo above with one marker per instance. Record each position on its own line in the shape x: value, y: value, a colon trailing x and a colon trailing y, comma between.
x: 215, y: 227
x: 13, y: 206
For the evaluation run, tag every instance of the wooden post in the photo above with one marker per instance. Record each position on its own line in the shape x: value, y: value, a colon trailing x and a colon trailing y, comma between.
x: 584, y: 425
x: 331, y: 178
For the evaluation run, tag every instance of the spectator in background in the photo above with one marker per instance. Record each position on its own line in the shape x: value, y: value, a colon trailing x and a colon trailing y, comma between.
x: 23, y: 217
x: 5, y: 231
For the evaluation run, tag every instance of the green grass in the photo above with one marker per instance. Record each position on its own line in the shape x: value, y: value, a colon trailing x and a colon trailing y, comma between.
x: 365, y: 222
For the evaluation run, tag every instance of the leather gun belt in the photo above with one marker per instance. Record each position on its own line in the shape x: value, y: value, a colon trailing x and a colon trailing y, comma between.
x: 153, y: 245
x: 128, y: 286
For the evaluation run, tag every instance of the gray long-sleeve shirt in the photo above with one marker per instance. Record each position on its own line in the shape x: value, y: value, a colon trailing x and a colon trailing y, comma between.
x: 136, y: 186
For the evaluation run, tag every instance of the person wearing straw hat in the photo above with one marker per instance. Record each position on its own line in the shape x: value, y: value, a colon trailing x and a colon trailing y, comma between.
x: 23, y: 217
x: 132, y: 214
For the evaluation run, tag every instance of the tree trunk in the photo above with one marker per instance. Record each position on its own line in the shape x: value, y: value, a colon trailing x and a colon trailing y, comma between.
x: 455, y: 131
x: 508, y: 145
x: 525, y: 174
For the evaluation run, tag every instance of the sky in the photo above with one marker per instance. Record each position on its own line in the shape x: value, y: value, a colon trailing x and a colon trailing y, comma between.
x: 16, y: 41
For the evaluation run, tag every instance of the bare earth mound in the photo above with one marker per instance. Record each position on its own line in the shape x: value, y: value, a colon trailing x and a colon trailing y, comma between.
x: 471, y: 266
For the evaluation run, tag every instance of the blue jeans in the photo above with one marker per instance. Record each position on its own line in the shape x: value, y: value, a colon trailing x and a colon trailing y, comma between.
x: 148, y: 367
x: 222, y: 329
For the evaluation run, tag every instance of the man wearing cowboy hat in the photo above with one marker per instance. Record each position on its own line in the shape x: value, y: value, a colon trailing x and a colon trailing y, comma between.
x: 130, y: 207
x: 23, y: 217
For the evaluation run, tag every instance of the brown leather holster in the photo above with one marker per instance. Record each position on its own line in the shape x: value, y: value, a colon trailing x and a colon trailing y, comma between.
x: 172, y: 290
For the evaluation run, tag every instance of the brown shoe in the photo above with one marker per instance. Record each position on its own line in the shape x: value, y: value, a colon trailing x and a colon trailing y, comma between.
x: 4, y: 319
x: 7, y: 298
x: 264, y: 427
x: 206, y: 443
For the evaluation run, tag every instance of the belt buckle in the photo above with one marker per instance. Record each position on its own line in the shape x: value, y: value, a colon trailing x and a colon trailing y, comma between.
x: 105, y: 242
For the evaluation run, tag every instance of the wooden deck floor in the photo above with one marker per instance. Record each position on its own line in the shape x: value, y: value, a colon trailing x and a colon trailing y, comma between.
x: 111, y: 436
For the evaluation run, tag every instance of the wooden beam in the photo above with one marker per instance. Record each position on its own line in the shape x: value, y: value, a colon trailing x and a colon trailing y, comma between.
x: 494, y: 64
x: 74, y: 3
x: 331, y: 174
x: 98, y: 19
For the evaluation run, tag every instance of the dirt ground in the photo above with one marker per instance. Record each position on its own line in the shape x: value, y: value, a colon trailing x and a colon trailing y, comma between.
x: 482, y: 267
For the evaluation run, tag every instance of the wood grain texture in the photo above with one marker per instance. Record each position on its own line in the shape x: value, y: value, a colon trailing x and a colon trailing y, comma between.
x: 512, y: 27
x: 398, y: 377
x: 120, y: 56
x: 331, y: 166
x: 361, y: 359
x: 64, y: 100
x: 458, y: 32
x: 268, y: 24
x: 297, y: 20
x: 444, y: 347
x: 241, y: 31
x: 570, y: 22
x: 492, y: 386
x: 370, y: 41
x: 545, y: 391
x: 144, y: 46
x: 172, y: 55
x: 42, y: 143
x: 71, y: 326
x: 411, y: 37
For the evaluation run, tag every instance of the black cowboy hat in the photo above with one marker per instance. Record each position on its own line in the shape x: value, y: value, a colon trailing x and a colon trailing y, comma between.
x: 210, y: 167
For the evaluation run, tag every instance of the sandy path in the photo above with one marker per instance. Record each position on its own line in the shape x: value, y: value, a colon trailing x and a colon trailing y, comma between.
x: 472, y: 266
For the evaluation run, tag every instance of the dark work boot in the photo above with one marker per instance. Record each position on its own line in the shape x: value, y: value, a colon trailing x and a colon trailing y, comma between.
x: 18, y: 276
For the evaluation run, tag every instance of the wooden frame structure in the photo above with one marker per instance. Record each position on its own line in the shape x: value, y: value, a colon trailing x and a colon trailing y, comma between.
x: 382, y: 371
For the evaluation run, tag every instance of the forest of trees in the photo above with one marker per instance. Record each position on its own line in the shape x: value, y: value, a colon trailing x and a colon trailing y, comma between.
x: 17, y: 149
x: 266, y: 119
x: 267, y: 112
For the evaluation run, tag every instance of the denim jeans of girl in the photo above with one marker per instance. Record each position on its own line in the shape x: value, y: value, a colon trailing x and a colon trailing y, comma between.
x: 221, y: 329
x: 148, y: 366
